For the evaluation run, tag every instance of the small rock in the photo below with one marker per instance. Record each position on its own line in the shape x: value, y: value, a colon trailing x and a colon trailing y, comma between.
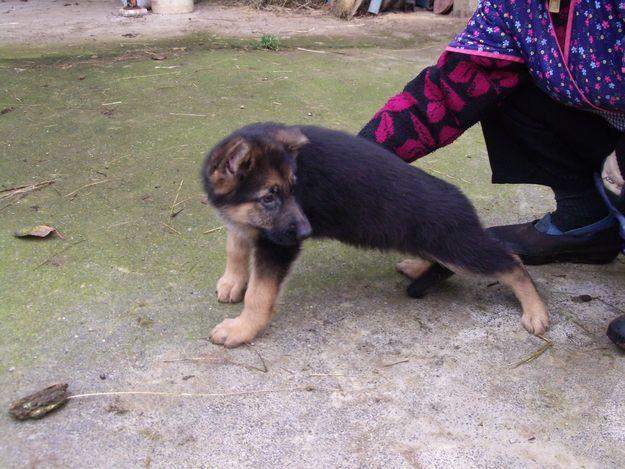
x: 582, y: 298
x: 102, y: 375
x: 242, y: 106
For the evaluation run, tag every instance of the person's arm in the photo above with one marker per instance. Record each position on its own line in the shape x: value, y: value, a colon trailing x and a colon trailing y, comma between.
x: 442, y: 102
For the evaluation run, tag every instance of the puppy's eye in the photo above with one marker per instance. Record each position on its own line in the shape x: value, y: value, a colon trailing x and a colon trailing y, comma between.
x: 268, y: 199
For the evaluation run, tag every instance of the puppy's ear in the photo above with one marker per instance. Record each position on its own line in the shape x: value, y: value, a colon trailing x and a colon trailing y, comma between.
x: 230, y: 164
x: 292, y: 138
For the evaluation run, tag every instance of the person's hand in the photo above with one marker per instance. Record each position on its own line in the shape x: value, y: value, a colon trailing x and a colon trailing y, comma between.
x: 611, y: 175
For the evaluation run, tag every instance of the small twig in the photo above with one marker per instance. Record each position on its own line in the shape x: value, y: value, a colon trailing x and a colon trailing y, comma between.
x: 616, y: 308
x: 13, y: 191
x: 59, y: 253
x: 200, y: 394
x: 311, y: 50
x: 151, y: 75
x: 449, y: 176
x: 171, y: 212
x: 212, y: 230
x: 188, y: 115
x: 185, y: 200
x: 110, y: 104
x: 120, y: 224
x: 85, y: 186
x: 262, y: 360
x: 536, y: 353
x: 386, y: 365
x: 317, y: 375
x: 223, y: 360
x: 171, y: 228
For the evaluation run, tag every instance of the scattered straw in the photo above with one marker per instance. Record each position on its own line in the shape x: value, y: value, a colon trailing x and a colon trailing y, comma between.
x: 171, y: 228
x: 173, y: 205
x: 386, y: 365
x: 262, y: 360
x: 307, y: 388
x: 66, y: 248
x: 177, y: 72
x: 85, y: 186
x: 318, y: 375
x: 188, y: 115
x: 536, y: 353
x: 13, y: 191
x: 311, y: 50
x: 212, y: 230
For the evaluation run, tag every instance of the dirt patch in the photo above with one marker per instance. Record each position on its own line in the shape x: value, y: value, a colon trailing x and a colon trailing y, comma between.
x: 37, y: 23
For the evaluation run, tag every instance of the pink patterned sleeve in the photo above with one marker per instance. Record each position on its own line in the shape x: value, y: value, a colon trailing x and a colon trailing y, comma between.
x: 442, y: 102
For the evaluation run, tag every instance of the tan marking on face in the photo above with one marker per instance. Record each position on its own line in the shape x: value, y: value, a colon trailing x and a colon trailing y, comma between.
x: 221, y: 183
x: 248, y: 214
x: 240, y: 213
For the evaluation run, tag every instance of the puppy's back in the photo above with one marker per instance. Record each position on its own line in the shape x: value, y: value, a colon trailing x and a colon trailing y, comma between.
x: 355, y: 190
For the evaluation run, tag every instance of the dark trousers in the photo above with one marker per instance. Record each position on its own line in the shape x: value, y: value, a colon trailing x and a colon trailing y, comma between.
x: 532, y: 139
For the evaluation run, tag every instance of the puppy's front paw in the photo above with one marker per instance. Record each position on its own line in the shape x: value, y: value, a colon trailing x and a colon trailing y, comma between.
x: 536, y: 322
x: 233, y: 332
x: 230, y: 289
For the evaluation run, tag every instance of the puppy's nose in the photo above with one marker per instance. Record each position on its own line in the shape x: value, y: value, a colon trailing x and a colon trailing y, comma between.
x: 302, y: 229
x: 304, y: 232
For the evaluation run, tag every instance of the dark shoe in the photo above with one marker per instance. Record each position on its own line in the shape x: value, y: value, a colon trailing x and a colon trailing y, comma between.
x: 616, y: 331
x: 536, y: 247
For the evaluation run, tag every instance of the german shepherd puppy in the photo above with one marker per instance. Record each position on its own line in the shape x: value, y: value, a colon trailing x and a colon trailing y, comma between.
x: 275, y: 185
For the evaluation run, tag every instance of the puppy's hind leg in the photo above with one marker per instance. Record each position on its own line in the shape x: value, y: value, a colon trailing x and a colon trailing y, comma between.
x: 535, y: 316
x: 413, y: 268
x: 482, y: 255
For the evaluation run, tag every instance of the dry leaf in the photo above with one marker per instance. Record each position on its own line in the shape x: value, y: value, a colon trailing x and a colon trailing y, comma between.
x: 40, y: 231
x: 40, y: 403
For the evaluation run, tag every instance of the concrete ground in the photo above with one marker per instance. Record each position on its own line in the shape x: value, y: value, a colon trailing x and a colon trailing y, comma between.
x: 364, y: 376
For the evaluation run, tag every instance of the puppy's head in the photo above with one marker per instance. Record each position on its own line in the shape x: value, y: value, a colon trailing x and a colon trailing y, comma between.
x: 249, y: 178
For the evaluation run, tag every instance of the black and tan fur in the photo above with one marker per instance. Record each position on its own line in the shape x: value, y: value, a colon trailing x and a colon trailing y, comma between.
x: 275, y: 185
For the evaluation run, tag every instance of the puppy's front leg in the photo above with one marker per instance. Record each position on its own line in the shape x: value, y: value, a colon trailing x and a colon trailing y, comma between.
x: 231, y: 285
x: 271, y: 264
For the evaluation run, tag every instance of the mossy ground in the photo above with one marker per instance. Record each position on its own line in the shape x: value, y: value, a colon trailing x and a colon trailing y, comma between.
x: 139, y: 128
x: 134, y: 290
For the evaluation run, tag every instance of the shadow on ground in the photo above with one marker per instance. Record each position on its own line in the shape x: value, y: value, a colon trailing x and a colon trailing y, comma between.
x: 126, y: 301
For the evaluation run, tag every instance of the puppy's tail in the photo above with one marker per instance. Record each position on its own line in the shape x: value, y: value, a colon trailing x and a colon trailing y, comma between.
x: 477, y: 254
